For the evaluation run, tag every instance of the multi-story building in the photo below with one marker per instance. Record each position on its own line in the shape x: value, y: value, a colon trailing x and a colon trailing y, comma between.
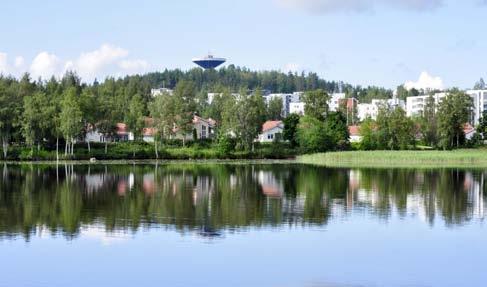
x: 479, y: 98
x: 372, y: 110
x: 287, y: 99
x: 415, y: 105
x: 297, y: 108
x: 334, y: 103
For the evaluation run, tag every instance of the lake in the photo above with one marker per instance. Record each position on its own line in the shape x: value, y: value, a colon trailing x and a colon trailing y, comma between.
x: 216, y: 224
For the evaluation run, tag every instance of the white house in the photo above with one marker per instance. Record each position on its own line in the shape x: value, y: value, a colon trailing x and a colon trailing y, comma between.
x: 354, y: 132
x: 271, y: 130
x: 122, y: 134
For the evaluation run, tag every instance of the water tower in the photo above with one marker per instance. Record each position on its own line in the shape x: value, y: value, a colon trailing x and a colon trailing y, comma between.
x: 209, y: 62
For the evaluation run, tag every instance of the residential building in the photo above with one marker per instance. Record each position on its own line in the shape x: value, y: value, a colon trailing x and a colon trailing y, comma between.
x: 354, y: 132
x: 271, y: 130
x: 334, y: 102
x: 415, y: 105
x: 287, y: 100
x: 296, y: 108
x: 372, y: 110
x: 479, y: 98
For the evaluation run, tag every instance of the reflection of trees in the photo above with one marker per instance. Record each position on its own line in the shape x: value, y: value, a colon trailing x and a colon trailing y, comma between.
x: 213, y: 197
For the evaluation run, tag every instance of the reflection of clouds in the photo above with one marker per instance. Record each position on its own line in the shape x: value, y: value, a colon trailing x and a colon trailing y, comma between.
x: 99, y: 233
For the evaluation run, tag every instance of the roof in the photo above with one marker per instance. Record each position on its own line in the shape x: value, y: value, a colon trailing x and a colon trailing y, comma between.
x: 468, y: 128
x: 269, y: 125
x: 198, y: 119
x: 122, y: 129
x: 354, y: 131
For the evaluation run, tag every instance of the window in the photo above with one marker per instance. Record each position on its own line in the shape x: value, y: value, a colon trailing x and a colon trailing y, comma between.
x: 270, y: 136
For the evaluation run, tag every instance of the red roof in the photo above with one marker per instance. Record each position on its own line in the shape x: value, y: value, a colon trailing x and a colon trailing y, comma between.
x: 354, y: 130
x: 269, y: 125
x: 468, y: 128
x: 122, y: 129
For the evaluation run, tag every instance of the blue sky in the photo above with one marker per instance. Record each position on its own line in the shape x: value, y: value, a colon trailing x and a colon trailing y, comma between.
x: 368, y: 42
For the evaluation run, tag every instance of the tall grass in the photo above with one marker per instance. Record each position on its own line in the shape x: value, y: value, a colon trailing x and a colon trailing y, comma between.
x: 411, y: 159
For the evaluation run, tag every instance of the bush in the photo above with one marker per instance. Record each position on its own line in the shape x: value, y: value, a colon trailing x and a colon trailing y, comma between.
x: 312, y: 135
x: 225, y: 145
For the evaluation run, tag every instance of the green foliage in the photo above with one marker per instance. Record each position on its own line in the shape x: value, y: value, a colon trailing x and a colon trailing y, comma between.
x: 225, y: 145
x: 244, y: 118
x: 274, y: 109
x: 312, y: 136
x: 71, y: 115
x: 290, y: 129
x: 135, y: 116
x: 336, y: 127
x: 392, y: 130
x: 429, y: 122
x: 453, y: 112
x: 370, y: 139
x: 316, y: 104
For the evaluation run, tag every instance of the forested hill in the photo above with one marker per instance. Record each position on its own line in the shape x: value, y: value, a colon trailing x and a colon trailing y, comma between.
x: 236, y: 78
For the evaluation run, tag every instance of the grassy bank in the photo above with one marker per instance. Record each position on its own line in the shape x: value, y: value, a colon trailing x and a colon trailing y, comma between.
x: 409, y: 159
x: 144, y: 151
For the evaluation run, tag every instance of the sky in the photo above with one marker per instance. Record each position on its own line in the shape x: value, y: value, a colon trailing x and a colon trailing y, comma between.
x: 423, y: 43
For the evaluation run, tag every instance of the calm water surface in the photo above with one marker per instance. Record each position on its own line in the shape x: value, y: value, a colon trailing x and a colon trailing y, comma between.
x: 241, y: 225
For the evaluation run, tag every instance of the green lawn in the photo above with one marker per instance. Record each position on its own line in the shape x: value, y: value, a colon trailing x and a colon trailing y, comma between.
x: 476, y: 158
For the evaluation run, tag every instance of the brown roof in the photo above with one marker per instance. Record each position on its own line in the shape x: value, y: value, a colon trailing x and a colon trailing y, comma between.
x: 269, y: 125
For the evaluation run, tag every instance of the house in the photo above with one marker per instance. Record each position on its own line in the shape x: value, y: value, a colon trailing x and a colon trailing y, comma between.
x: 354, y: 132
x: 204, y: 128
x: 122, y: 134
x: 271, y: 130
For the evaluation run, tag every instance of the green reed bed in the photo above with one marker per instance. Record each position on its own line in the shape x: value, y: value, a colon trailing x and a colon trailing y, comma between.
x: 416, y: 159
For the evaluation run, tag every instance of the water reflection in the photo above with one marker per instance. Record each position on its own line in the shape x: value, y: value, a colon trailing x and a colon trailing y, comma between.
x: 209, y: 199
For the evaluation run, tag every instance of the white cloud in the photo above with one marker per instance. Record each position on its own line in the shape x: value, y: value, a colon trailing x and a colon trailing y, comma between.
x: 3, y: 64
x: 134, y: 66
x: 45, y: 65
x: 104, y: 61
x: 19, y: 62
x: 99, y: 234
x: 425, y: 81
x: 88, y: 65
x: 292, y: 67
x: 328, y: 6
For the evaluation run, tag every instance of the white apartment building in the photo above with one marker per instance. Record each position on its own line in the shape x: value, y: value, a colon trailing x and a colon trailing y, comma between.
x: 296, y: 108
x: 479, y: 98
x: 415, y: 105
x: 372, y: 110
x: 334, y: 102
x: 287, y: 99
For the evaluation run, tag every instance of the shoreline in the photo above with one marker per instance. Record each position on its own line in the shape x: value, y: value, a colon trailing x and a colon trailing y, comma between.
x: 152, y: 162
